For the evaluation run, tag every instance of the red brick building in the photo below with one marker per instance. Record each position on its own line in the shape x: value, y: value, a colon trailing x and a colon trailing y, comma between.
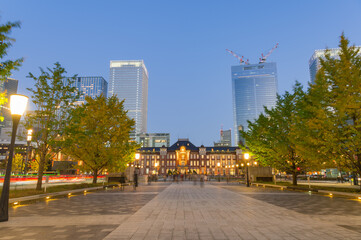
x: 185, y: 157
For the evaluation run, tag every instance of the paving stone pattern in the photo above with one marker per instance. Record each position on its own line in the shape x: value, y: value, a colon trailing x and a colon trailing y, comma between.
x: 188, y: 211
x: 302, y: 202
x: 185, y: 211
x: 90, y: 216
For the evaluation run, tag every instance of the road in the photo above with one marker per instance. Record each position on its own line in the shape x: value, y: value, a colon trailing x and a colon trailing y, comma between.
x: 53, y: 181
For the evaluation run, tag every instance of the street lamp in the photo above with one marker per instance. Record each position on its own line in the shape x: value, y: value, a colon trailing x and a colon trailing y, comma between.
x: 17, y: 107
x: 246, y: 156
x: 29, y: 137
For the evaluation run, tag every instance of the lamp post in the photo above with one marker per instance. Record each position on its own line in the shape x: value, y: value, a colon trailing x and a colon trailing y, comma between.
x: 136, y: 169
x: 246, y: 156
x: 29, y: 137
x: 17, y: 107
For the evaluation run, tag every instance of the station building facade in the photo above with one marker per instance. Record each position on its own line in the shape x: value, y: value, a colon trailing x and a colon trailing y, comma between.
x: 184, y: 157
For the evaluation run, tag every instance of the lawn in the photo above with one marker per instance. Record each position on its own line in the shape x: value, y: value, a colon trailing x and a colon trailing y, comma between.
x: 305, y: 187
x: 60, y: 188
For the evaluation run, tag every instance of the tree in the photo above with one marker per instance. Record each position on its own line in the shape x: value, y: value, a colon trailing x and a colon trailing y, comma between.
x: 8, y: 65
x: 97, y: 134
x: 17, y: 165
x: 336, y: 96
x: 270, y: 138
x: 53, y: 96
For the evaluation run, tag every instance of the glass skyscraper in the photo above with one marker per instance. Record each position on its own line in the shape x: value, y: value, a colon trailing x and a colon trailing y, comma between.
x: 315, y: 64
x: 253, y: 87
x: 91, y: 86
x: 129, y: 80
x: 11, y: 87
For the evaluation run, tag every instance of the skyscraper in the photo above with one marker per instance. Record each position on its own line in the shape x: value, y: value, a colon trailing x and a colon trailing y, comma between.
x: 91, y: 86
x: 226, y: 139
x: 315, y: 64
x: 253, y: 87
x: 153, y: 139
x: 129, y: 80
x: 11, y: 87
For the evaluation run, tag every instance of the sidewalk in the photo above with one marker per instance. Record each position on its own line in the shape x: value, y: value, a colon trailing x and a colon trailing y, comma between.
x: 185, y: 211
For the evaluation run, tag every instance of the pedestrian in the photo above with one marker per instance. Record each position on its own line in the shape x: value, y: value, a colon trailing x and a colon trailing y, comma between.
x: 201, y: 182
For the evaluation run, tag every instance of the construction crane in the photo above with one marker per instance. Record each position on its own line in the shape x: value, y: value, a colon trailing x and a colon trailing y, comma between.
x: 236, y: 55
x: 264, y: 58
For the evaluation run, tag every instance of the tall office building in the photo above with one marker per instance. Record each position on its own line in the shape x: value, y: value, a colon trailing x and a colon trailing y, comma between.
x: 315, y: 64
x: 253, y: 87
x: 11, y: 87
x: 129, y: 80
x: 91, y: 86
x: 153, y: 139
x: 226, y: 139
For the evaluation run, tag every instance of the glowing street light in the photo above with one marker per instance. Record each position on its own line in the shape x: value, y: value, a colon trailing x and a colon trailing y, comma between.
x: 246, y: 156
x: 17, y: 107
x: 29, y: 137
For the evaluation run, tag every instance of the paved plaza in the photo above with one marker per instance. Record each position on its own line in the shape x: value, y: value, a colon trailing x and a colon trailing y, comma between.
x: 187, y: 211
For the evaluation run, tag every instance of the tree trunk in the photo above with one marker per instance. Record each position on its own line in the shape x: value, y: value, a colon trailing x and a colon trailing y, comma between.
x: 95, y: 177
x: 294, y: 178
x: 40, y: 171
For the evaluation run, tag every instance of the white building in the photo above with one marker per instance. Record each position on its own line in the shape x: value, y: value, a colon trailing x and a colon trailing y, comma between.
x: 129, y: 80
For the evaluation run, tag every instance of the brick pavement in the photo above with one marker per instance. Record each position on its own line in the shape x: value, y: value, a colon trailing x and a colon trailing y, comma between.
x: 185, y: 211
x: 90, y: 216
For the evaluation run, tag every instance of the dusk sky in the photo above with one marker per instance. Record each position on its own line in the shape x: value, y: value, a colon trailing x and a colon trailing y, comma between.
x: 183, y: 46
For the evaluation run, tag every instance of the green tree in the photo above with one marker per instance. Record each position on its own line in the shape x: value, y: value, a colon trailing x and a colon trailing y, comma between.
x: 270, y: 138
x: 53, y: 96
x: 6, y: 66
x: 18, y: 161
x: 334, y: 122
x: 97, y: 134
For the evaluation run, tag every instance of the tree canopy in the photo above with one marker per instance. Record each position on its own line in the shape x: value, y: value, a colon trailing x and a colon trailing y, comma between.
x: 320, y: 127
x: 98, y: 134
x: 7, y: 66
x: 53, y: 95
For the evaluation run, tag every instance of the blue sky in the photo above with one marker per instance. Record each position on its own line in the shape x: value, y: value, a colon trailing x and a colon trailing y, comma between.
x: 183, y: 45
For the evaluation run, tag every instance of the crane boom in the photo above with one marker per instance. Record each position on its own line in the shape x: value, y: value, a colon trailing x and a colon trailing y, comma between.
x: 264, y: 58
x: 240, y: 59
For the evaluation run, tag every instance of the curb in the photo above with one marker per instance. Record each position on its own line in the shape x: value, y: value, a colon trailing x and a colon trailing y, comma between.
x: 16, y: 201
x: 326, y: 192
